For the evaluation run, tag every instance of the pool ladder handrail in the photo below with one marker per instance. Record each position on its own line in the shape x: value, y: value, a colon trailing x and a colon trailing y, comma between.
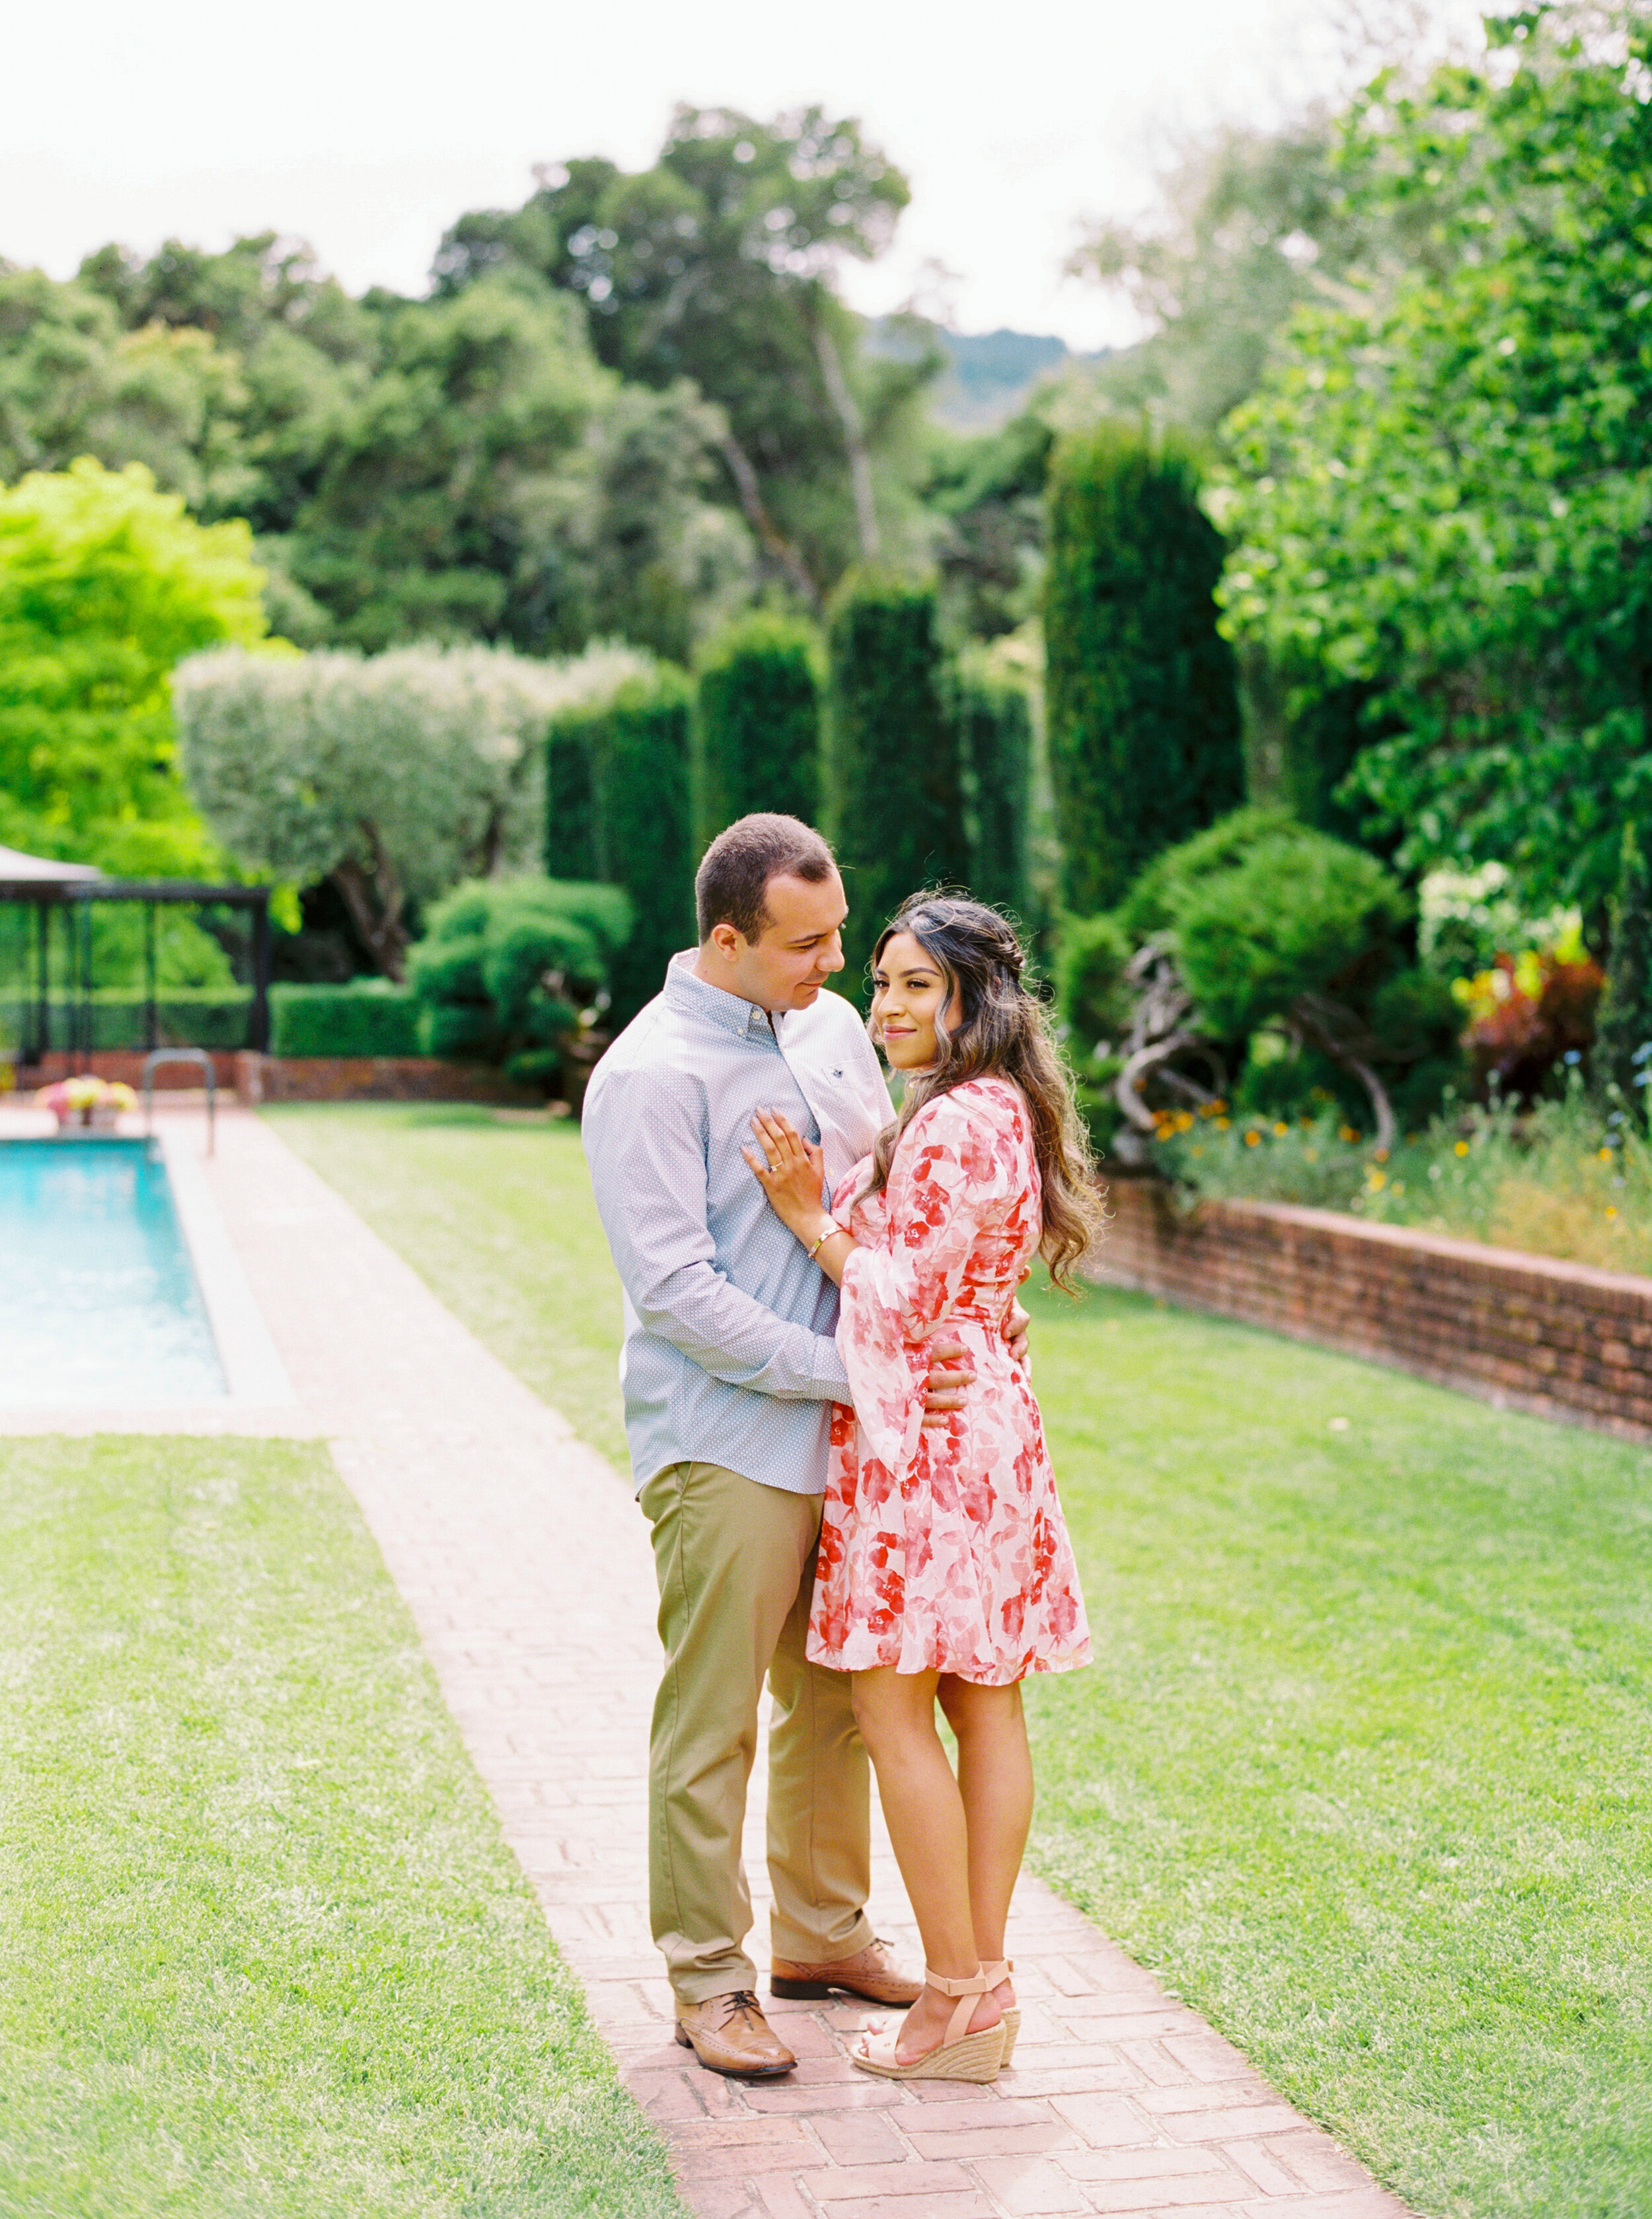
x: 152, y: 1062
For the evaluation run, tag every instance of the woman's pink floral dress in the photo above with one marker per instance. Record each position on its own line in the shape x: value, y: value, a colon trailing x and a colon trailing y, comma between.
x: 944, y: 1551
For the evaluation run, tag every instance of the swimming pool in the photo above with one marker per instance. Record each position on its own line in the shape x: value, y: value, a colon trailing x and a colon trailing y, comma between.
x: 98, y: 1299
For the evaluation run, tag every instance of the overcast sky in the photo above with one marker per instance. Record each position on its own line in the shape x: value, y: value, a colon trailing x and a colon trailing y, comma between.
x: 367, y: 128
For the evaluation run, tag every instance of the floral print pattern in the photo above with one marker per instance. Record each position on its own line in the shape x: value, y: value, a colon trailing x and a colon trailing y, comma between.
x: 944, y: 1551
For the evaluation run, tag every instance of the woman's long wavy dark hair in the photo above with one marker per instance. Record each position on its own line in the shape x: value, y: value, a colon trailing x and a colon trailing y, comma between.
x: 1004, y: 1033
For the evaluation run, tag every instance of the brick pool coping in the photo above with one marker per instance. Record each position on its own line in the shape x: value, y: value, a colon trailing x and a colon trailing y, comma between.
x: 526, y: 1567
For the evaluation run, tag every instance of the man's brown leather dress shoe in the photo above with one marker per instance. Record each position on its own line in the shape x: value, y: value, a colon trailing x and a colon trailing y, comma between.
x: 872, y: 1973
x: 729, y: 2034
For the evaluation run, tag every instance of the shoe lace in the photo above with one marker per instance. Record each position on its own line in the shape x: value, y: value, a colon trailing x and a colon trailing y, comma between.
x: 742, y: 1999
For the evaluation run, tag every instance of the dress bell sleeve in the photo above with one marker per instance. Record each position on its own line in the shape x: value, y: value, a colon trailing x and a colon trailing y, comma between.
x: 955, y: 1175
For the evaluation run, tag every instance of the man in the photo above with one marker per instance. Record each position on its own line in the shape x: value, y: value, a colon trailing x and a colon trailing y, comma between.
x: 729, y: 1371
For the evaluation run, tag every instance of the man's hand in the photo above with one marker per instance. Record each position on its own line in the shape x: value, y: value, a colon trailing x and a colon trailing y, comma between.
x: 1016, y: 1327
x: 950, y: 1376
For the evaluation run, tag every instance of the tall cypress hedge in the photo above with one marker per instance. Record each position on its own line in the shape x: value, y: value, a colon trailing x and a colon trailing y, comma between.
x: 618, y: 810
x: 995, y: 719
x: 895, y: 783
x: 756, y: 724
x: 570, y: 799
x: 1143, y: 720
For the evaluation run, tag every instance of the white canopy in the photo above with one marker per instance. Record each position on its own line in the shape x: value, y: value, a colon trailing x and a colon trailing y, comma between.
x: 17, y: 869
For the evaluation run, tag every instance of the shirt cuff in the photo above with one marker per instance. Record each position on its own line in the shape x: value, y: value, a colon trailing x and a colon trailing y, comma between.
x: 830, y: 1374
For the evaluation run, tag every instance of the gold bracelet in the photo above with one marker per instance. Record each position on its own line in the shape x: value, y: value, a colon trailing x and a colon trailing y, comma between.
x: 833, y: 1227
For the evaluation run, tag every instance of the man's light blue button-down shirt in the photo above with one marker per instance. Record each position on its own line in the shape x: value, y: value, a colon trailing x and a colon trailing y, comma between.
x: 729, y: 1355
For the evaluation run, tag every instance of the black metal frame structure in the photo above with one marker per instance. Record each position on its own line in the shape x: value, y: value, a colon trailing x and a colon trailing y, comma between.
x: 73, y: 890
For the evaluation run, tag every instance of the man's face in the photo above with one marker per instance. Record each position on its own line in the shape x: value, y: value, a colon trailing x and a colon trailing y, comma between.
x: 795, y: 952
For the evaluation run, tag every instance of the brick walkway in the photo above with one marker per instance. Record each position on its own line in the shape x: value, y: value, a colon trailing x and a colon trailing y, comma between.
x: 525, y: 1565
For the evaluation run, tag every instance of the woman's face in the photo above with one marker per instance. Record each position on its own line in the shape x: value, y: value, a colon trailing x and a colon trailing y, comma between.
x: 909, y: 992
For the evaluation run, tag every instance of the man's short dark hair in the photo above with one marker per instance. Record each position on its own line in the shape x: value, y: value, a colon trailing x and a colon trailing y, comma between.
x: 733, y: 877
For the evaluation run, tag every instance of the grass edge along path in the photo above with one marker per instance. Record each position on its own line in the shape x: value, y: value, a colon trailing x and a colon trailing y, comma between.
x: 263, y: 1949
x: 1365, y: 1768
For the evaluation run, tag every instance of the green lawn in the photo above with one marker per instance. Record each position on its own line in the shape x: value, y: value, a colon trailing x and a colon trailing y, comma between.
x: 1364, y: 1766
x: 262, y: 1948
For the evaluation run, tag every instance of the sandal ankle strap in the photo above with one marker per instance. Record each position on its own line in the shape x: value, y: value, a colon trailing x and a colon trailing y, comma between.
x: 966, y: 1992
x: 977, y: 1984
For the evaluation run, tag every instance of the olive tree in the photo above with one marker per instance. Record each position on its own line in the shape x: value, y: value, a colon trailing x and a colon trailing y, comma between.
x: 396, y: 776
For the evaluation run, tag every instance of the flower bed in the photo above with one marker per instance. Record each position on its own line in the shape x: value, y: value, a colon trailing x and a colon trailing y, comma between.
x: 1567, y: 1178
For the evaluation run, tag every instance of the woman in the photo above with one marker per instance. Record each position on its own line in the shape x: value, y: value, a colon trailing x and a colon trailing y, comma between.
x: 945, y: 1572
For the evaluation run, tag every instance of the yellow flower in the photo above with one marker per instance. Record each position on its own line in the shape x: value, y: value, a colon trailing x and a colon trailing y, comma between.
x: 1375, y: 1179
x: 1253, y: 1138
x: 1347, y: 1133
x: 1606, y: 1155
x: 1282, y: 1128
x: 1223, y: 1124
x: 1381, y: 1155
x: 1610, y: 1212
x: 1462, y: 1148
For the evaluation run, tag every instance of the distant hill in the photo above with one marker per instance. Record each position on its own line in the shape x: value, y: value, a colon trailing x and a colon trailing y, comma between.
x: 991, y: 373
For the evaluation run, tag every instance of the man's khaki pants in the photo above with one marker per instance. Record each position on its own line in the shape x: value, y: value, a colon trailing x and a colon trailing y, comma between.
x: 736, y: 1569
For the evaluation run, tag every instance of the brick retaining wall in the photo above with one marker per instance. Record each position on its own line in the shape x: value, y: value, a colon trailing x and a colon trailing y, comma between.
x: 125, y: 1065
x: 297, y: 1078
x: 372, y: 1079
x: 1564, y: 1340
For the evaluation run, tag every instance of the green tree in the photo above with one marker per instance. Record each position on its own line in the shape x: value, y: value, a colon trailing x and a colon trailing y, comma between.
x: 644, y: 840
x: 1144, y: 726
x: 460, y: 468
x: 756, y: 724
x: 894, y: 798
x: 105, y: 584
x: 1625, y: 1026
x: 393, y: 777
x: 1442, y: 492
x: 988, y: 493
x: 718, y: 264
x: 427, y: 516
x: 1251, y: 225
x: 72, y: 383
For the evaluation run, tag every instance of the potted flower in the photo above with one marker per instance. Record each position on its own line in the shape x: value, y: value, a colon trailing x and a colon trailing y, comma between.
x: 87, y: 1102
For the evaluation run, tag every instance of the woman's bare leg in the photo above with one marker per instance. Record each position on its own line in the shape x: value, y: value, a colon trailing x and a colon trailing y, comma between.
x: 896, y: 1714
x: 995, y: 1783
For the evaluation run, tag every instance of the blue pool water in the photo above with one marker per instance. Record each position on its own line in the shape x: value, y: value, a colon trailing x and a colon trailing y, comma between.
x: 98, y: 1300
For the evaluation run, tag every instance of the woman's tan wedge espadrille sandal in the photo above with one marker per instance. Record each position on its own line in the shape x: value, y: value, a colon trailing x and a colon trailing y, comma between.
x: 961, y: 2056
x: 994, y: 1973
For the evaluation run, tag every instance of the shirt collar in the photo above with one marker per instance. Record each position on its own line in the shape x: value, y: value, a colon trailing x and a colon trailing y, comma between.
x: 696, y: 997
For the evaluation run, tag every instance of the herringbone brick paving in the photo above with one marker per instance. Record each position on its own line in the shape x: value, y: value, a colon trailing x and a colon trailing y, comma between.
x: 526, y: 1567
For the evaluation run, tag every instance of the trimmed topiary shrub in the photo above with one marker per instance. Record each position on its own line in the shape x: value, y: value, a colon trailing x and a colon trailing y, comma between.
x: 995, y: 722
x: 1264, y: 961
x: 364, y: 1017
x: 757, y: 723
x: 510, y: 967
x: 1150, y: 908
x: 1143, y: 720
x: 895, y: 784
